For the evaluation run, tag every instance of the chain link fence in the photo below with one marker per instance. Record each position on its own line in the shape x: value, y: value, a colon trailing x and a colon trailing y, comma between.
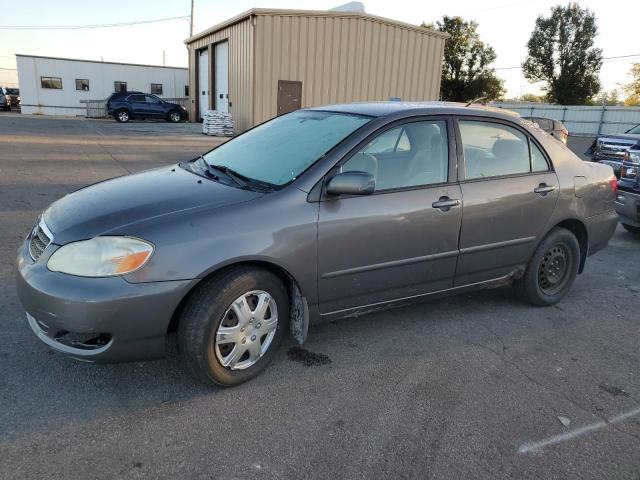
x: 579, y: 119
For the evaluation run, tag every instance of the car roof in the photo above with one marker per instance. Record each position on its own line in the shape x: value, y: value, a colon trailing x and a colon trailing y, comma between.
x: 382, y: 109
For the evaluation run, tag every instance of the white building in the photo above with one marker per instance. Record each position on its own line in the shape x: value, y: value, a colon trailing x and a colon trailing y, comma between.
x: 55, y: 86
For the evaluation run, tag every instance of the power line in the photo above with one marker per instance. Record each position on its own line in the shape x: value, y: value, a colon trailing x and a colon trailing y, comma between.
x: 603, y: 58
x: 98, y: 25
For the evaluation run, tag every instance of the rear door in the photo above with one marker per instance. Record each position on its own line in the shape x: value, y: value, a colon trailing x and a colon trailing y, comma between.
x: 402, y: 240
x: 138, y: 104
x: 510, y: 191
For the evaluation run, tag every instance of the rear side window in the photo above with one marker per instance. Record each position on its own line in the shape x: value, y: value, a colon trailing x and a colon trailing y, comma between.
x: 493, y: 149
x: 136, y: 98
x: 538, y: 161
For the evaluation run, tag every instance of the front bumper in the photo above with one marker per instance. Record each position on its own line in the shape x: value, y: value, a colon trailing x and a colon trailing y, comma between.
x: 96, y: 319
x: 628, y: 207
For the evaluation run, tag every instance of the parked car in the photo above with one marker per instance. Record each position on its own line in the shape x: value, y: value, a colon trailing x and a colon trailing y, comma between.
x: 610, y: 149
x: 124, y: 106
x: 553, y: 127
x: 628, y: 199
x: 5, y: 103
x: 13, y: 94
x: 317, y: 214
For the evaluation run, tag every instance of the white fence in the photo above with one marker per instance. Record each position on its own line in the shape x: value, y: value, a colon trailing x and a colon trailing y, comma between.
x: 580, y: 119
x: 98, y: 108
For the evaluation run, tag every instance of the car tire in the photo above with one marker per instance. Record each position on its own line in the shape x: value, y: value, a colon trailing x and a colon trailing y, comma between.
x: 631, y: 228
x: 122, y: 115
x: 174, y: 116
x: 551, y: 270
x: 209, y: 329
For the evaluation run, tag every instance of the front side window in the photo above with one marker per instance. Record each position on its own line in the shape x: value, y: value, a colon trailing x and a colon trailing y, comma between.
x: 492, y: 149
x: 279, y: 150
x: 152, y: 99
x: 156, y: 88
x: 119, y: 87
x: 410, y: 155
x: 82, y: 84
x: 54, y: 83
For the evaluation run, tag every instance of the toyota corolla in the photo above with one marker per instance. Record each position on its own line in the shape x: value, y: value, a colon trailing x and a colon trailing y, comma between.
x: 317, y: 214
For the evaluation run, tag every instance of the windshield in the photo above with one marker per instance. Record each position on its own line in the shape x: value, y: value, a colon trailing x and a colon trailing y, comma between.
x: 635, y: 130
x: 278, y: 151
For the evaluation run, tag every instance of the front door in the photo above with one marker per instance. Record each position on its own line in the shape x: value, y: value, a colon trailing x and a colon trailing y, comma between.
x: 289, y: 96
x: 402, y: 240
x: 222, y: 77
x: 203, y: 81
x: 509, y: 193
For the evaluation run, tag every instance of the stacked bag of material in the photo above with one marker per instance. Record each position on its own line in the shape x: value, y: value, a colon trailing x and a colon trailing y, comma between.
x: 219, y: 124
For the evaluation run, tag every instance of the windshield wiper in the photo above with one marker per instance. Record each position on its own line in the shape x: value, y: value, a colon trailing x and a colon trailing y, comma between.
x: 243, y: 180
x: 235, y: 176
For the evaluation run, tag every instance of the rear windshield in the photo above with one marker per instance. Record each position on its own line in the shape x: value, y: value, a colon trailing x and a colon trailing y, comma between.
x: 278, y: 151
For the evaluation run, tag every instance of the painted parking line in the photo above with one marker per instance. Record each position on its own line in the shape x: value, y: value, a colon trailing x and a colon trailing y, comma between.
x: 536, y: 447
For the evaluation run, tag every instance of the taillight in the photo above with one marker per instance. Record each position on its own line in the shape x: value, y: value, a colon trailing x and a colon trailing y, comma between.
x: 613, y: 183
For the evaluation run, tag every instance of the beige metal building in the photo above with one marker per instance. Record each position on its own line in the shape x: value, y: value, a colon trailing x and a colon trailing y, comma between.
x: 265, y: 62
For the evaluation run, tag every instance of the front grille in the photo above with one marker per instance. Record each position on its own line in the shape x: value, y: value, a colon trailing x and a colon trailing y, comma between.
x: 39, y: 241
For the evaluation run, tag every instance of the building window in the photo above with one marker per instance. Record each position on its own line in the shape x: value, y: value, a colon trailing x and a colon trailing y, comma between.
x: 186, y: 90
x: 119, y: 87
x: 51, y: 82
x: 156, y: 88
x: 82, y: 84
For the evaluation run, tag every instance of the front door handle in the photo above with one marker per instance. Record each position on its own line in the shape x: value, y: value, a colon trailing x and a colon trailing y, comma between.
x: 543, y: 189
x: 445, y: 203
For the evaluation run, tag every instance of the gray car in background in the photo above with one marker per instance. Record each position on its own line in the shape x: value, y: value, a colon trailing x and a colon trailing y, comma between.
x: 317, y: 214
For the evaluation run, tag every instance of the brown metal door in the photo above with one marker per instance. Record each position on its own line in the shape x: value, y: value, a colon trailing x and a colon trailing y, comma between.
x: 289, y: 96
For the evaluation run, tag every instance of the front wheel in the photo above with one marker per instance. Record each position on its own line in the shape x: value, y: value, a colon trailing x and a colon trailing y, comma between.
x: 631, y: 228
x: 232, y: 324
x: 122, y: 116
x: 551, y: 270
x: 174, y: 116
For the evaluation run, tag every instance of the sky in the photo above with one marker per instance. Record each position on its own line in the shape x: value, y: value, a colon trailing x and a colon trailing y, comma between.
x: 504, y: 24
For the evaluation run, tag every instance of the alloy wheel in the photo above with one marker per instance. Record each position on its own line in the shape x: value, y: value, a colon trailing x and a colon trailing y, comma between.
x: 174, y: 117
x: 246, y: 330
x: 123, y: 116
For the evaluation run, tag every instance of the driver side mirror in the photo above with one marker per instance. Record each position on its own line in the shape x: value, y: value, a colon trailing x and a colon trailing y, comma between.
x: 351, y: 183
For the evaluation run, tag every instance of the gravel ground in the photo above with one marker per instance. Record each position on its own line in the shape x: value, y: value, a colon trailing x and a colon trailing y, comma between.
x: 459, y: 387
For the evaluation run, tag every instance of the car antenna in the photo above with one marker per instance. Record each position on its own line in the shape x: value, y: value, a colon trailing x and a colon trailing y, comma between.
x: 475, y: 100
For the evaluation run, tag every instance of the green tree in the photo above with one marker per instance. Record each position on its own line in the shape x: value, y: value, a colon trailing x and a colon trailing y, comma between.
x: 466, y: 73
x: 561, y: 54
x: 633, y: 89
x: 531, y: 97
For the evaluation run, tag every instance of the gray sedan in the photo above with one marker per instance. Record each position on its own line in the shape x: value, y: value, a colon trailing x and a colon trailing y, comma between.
x: 318, y: 214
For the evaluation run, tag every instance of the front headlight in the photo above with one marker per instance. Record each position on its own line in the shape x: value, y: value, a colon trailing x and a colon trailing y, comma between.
x: 101, y: 257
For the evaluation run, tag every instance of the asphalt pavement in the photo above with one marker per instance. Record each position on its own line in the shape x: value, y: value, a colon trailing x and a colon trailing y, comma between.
x: 475, y: 386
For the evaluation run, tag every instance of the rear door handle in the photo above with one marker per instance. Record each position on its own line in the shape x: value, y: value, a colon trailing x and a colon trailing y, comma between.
x: 445, y: 203
x: 543, y: 189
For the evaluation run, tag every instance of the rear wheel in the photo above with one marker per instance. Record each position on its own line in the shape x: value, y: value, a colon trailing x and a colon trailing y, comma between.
x: 122, y: 116
x: 232, y: 325
x: 551, y: 270
x: 631, y: 228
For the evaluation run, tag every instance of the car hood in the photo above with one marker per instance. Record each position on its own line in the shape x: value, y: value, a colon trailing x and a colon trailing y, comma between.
x: 120, y: 202
x: 630, y: 138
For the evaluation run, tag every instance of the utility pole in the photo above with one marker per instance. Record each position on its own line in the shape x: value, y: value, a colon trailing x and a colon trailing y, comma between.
x: 164, y: 58
x: 191, y: 21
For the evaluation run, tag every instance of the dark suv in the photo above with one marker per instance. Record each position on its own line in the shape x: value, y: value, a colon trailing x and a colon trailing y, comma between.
x: 127, y: 105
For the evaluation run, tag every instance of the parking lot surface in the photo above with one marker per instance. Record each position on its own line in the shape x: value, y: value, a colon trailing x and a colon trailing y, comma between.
x: 475, y: 386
